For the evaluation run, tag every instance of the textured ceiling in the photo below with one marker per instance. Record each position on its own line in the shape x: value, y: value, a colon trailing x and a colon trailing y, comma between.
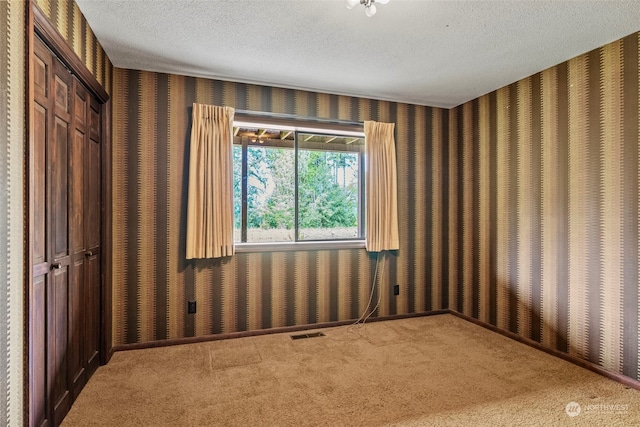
x: 437, y: 53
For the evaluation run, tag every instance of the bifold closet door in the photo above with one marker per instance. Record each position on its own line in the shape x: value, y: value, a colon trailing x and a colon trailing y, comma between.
x: 93, y: 237
x: 85, y: 193
x: 65, y: 180
x: 50, y: 294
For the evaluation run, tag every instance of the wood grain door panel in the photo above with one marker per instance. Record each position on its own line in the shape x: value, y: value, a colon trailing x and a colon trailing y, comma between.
x: 59, y: 203
x: 92, y: 314
x: 58, y: 302
x: 76, y: 321
x: 39, y: 184
x: 39, y: 408
x: 40, y: 135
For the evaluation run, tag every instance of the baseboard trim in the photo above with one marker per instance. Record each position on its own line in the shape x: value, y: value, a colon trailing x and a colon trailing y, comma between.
x: 284, y: 329
x: 627, y: 381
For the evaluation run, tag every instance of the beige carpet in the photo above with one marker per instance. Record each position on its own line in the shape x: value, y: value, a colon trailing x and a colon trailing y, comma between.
x: 426, y: 371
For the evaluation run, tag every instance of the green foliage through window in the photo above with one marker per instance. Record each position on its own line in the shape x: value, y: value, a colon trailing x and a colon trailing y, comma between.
x: 329, y: 186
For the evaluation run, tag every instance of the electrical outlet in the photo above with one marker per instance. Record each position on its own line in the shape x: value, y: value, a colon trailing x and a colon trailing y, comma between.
x: 191, y: 307
x: 396, y: 289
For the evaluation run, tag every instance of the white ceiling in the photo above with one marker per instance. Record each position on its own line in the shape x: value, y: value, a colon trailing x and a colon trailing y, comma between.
x: 426, y: 52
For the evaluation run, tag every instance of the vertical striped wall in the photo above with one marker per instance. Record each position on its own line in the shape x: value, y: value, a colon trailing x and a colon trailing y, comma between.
x: 66, y: 16
x: 153, y: 281
x: 546, y: 219
x: 12, y: 142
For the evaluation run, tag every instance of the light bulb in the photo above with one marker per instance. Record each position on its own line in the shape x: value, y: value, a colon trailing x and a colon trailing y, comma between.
x: 370, y: 11
x: 382, y: 1
x: 351, y: 3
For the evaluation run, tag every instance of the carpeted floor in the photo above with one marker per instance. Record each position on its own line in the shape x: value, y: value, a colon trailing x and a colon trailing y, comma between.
x: 426, y: 371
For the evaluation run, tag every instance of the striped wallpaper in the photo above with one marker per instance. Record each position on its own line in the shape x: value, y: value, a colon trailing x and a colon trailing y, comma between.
x: 152, y: 279
x: 65, y: 15
x: 546, y: 210
x: 12, y: 142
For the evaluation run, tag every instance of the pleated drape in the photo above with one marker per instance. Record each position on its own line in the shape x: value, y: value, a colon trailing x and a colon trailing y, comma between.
x: 210, y: 199
x: 381, y: 183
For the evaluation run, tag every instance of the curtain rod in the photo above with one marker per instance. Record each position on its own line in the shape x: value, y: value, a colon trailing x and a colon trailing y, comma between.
x: 284, y: 116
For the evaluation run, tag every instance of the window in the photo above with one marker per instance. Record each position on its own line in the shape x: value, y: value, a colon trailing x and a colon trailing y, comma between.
x: 297, y: 184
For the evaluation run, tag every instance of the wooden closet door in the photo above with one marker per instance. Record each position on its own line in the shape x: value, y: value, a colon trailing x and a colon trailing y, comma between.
x: 51, y: 398
x: 40, y: 404
x: 93, y: 237
x: 66, y: 177
x: 85, y: 216
x: 58, y: 292
x: 77, y: 194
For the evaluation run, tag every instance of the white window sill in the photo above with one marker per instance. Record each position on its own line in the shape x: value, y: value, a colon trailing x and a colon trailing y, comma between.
x: 299, y: 246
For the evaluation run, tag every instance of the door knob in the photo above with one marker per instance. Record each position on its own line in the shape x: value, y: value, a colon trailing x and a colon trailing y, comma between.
x: 56, y: 266
x: 88, y: 254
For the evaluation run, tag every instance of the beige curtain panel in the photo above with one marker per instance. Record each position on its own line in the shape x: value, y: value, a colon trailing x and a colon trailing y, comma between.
x: 381, y: 183
x: 210, y: 203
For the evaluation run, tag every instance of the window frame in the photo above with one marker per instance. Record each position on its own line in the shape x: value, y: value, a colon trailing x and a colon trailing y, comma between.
x: 298, y: 126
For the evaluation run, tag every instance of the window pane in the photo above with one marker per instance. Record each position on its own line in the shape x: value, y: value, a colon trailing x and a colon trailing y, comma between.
x: 270, y: 194
x: 237, y: 193
x: 328, y: 187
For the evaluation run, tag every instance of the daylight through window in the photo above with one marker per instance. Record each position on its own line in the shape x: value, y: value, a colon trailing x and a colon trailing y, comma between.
x: 294, y: 184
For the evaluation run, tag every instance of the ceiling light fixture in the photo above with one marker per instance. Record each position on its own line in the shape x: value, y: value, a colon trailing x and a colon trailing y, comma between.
x: 369, y: 5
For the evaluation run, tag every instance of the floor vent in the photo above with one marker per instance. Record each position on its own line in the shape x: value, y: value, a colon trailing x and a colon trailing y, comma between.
x: 309, y: 335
